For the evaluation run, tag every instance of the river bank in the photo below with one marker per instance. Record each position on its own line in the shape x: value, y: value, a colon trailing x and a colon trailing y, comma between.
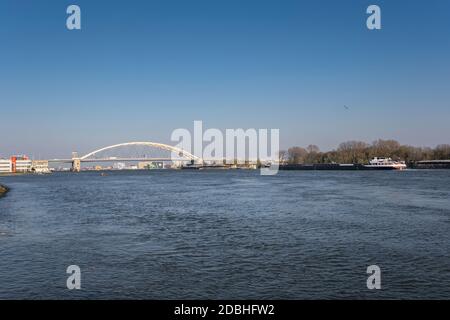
x: 3, y: 190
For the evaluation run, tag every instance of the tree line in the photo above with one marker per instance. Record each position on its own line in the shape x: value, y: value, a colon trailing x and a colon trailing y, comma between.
x: 362, y: 152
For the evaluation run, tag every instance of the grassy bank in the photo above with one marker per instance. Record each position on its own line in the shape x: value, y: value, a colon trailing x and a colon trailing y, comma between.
x: 3, y: 190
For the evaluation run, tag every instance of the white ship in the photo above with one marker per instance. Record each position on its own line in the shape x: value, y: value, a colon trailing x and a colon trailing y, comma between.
x: 380, y: 163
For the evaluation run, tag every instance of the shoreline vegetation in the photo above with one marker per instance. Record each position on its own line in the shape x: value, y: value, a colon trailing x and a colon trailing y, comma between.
x: 359, y: 152
x: 3, y: 190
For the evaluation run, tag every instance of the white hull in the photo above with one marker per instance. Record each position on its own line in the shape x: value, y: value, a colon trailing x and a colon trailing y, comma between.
x: 385, y: 164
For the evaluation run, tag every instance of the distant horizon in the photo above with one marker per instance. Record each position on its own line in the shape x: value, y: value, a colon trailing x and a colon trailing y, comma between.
x: 33, y: 157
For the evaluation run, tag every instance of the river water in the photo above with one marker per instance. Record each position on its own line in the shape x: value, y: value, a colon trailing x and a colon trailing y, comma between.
x: 226, y: 234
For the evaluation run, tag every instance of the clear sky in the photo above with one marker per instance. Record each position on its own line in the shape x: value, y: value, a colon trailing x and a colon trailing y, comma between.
x: 140, y: 69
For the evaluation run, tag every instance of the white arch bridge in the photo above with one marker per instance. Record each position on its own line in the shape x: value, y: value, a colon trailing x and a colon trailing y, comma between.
x: 176, y: 154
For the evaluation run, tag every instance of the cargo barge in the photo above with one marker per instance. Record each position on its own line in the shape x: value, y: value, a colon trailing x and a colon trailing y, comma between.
x: 430, y: 164
x: 374, y: 164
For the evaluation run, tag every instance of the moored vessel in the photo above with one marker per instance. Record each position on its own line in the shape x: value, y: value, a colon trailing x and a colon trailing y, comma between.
x: 381, y: 163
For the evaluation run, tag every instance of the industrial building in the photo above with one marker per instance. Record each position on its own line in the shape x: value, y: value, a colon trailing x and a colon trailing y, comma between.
x: 5, y: 166
x: 40, y: 166
x: 16, y: 164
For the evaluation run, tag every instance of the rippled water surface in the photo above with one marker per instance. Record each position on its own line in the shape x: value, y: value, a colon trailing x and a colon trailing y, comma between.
x: 226, y: 234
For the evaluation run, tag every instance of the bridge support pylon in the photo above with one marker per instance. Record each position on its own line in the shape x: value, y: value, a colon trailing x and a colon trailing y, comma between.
x: 76, y: 165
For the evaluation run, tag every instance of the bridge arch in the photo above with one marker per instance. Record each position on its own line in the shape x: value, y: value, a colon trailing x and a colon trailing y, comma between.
x: 149, y: 144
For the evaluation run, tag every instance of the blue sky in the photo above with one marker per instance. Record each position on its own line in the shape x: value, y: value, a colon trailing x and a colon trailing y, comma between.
x: 140, y: 69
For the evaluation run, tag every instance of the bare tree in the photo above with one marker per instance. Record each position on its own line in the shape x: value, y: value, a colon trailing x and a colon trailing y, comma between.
x: 297, y: 155
x: 361, y: 152
x: 283, y: 156
x: 442, y: 152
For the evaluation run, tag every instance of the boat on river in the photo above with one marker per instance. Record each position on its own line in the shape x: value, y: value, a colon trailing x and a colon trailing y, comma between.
x: 381, y: 163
